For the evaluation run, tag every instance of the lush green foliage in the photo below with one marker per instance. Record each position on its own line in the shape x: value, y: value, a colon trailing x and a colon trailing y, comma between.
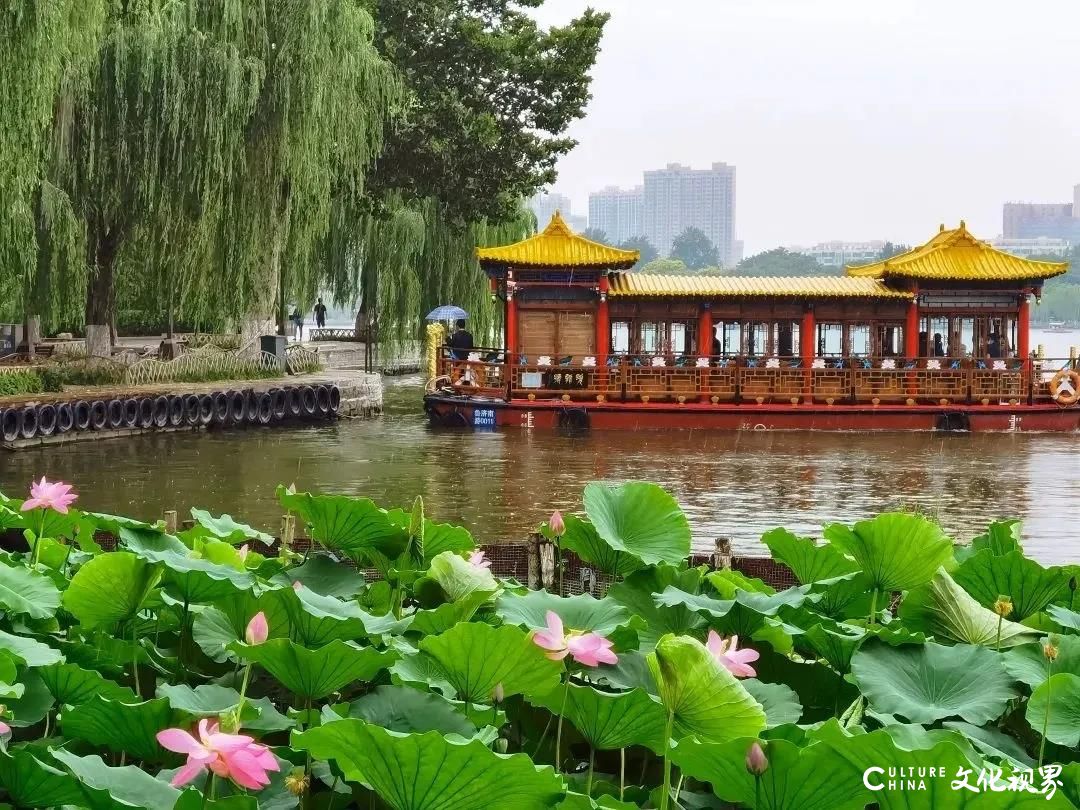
x: 643, y: 246
x: 16, y: 383
x: 782, y: 262
x: 436, y: 687
x: 693, y: 248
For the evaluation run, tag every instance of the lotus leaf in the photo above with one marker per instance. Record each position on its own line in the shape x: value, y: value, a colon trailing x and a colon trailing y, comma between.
x: 30, y: 782
x: 640, y: 519
x: 354, y: 526
x: 611, y: 720
x: 582, y: 538
x: 73, y: 685
x: 896, y: 550
x: 1062, y: 692
x: 1029, y: 586
x: 401, y: 708
x: 460, y: 579
x: 106, y: 788
x: 316, y: 673
x: 226, y: 529
x: 110, y: 588
x: 637, y: 592
x: 130, y: 727
x: 1027, y: 663
x: 582, y: 612
x: 25, y: 591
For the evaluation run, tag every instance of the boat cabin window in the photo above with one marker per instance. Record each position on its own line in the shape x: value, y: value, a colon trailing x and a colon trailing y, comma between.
x: 830, y: 339
x: 731, y: 343
x: 620, y: 337
x: 649, y: 336
x: 890, y: 338
x: 859, y: 340
x: 786, y: 339
x: 991, y: 336
x: 678, y: 338
x: 757, y: 339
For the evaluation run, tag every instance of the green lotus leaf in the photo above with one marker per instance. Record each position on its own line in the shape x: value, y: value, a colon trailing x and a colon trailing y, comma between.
x: 992, y: 742
x: 943, y: 609
x: 212, y: 700
x: 440, y: 619
x: 1028, y: 585
x: 106, y: 788
x: 9, y: 671
x: 188, y: 577
x: 429, y: 772
x: 933, y: 682
x: 407, y: 710
x: 582, y: 538
x: 73, y: 685
x: 779, y: 701
x: 92, y: 522
x: 896, y: 550
x: 324, y: 575
x: 835, y: 643
x: 214, y: 632
x: 460, y: 579
x: 610, y: 720
x: 130, y: 727
x: 639, y: 518
x: 631, y: 672
x: 30, y: 651
x: 476, y: 657
x: 354, y: 526
x: 1028, y: 664
x: 808, y: 561
x: 314, y: 619
x: 579, y: 801
x: 1069, y: 619
x: 638, y: 590
x: 315, y: 674
x: 226, y: 529
x: 809, y: 778
x: 699, y: 603
x: 420, y: 670
x: 110, y: 588
x: 36, y: 701
x: 29, y: 782
x: 438, y: 537
x: 1001, y: 537
x: 703, y: 698
x: 1062, y: 692
x: 583, y: 612
x: 27, y: 592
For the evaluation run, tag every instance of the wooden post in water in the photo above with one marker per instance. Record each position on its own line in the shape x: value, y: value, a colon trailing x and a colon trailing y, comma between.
x: 170, y: 521
x: 547, y: 564
x: 532, y: 560
x: 288, y: 530
x: 721, y: 558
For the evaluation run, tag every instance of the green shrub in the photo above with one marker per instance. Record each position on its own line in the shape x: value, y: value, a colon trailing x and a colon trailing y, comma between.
x: 19, y: 383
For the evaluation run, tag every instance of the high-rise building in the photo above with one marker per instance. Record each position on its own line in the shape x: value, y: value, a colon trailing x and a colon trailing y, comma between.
x: 617, y: 212
x: 1034, y: 220
x: 1034, y: 247
x: 545, y: 205
x: 679, y: 197
x: 841, y: 254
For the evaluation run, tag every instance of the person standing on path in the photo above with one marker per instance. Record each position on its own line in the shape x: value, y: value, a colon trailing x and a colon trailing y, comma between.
x: 320, y: 314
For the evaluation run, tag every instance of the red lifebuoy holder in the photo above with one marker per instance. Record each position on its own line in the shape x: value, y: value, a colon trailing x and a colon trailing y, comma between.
x: 1065, y: 387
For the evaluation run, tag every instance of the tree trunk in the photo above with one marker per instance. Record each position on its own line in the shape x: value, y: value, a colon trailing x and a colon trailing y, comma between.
x: 101, y: 290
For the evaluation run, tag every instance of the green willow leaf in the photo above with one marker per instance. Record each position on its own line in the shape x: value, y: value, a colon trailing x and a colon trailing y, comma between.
x: 476, y: 657
x: 110, y: 588
x: 73, y: 685
x: 704, y: 699
x: 316, y: 673
x: 29, y: 782
x: 120, y: 727
x: 24, y: 591
x: 354, y: 526
x: 429, y: 772
x: 898, y: 551
x: 933, y: 682
x: 639, y: 518
x: 1061, y: 692
x: 106, y: 788
x: 610, y: 720
x: 1029, y: 586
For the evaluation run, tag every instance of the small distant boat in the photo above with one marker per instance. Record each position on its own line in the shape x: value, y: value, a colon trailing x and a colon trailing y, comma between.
x: 1059, y: 326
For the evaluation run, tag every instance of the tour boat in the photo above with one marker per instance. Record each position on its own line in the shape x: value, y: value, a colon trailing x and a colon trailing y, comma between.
x: 1058, y: 326
x: 936, y: 338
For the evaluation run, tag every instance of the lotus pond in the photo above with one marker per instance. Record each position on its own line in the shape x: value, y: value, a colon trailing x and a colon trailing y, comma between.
x: 211, y: 668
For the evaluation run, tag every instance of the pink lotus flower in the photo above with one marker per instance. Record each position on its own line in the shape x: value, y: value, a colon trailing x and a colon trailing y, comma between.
x: 736, y: 661
x: 257, y: 630
x: 232, y: 756
x: 49, y: 495
x: 589, y: 649
x: 756, y: 761
x: 297, y: 585
x: 5, y: 729
x: 477, y: 559
x: 555, y: 523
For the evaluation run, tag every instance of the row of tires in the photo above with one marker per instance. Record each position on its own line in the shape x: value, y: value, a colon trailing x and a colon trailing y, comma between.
x: 224, y: 408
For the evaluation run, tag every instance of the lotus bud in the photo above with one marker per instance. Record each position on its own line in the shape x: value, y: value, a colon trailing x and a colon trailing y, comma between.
x: 257, y: 630
x: 1072, y: 583
x: 297, y: 782
x: 558, y: 528
x: 498, y: 693
x: 756, y: 761
x: 1003, y: 606
x: 1050, y: 648
x: 501, y: 745
x: 242, y: 552
x: 297, y: 585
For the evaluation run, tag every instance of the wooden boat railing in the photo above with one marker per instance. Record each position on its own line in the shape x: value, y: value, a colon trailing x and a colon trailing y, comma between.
x: 630, y: 378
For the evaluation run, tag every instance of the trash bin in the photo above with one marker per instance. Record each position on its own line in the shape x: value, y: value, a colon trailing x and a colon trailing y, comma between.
x: 275, y: 345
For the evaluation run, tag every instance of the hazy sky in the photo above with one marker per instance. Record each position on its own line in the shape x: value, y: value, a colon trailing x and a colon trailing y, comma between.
x: 847, y: 119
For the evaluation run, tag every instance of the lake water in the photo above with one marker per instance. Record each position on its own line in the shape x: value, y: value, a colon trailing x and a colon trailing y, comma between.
x: 502, y: 484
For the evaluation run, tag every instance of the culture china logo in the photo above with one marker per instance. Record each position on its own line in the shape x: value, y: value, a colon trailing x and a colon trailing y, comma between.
x: 1043, y: 781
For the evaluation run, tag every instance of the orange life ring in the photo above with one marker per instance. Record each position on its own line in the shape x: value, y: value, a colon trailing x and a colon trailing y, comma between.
x: 1065, y: 387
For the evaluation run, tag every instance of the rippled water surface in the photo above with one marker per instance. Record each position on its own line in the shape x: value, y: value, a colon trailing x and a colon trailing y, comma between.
x: 502, y: 484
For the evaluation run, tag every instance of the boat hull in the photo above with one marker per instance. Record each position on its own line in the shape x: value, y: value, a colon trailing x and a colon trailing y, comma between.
x: 481, y: 414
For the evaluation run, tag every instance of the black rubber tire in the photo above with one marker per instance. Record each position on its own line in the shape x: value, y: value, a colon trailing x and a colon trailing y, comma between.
x: 146, y: 412
x: 10, y: 424
x: 81, y: 412
x: 237, y: 407
x: 277, y: 401
x: 161, y: 411
x: 99, y: 415
x: 251, y: 407
x: 308, y: 405
x: 115, y: 410
x: 176, y: 411
x: 29, y: 427
x: 221, y: 407
x: 335, y: 400
x: 131, y: 413
x: 46, y: 420
x: 191, y: 410
x: 293, y: 408
x: 206, y: 409
x: 265, y: 404
x: 65, y: 417
x: 322, y: 400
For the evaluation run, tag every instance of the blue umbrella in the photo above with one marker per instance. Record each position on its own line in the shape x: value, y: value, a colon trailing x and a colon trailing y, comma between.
x: 447, y: 312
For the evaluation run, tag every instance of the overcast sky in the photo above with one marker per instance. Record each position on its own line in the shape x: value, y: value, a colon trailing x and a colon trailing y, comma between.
x: 847, y: 119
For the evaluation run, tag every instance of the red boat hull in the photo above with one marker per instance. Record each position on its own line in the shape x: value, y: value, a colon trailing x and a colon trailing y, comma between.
x: 469, y: 412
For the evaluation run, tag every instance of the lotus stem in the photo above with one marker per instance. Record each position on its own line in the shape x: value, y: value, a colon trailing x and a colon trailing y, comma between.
x: 997, y: 646
x: 543, y: 736
x: 622, y: 773
x: 558, y: 728
x: 678, y: 788
x: 1046, y: 715
x: 135, y: 654
x: 757, y: 790
x: 243, y: 693
x: 592, y: 766
x: 37, y: 540
x: 665, y: 797
x: 873, y: 606
x: 207, y: 787
x: 559, y: 563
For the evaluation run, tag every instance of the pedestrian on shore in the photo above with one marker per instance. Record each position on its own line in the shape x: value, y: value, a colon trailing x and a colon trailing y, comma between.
x: 298, y: 319
x: 320, y: 314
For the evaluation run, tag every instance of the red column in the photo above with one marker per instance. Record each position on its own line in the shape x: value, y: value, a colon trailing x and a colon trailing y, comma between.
x: 911, y: 328
x: 705, y: 331
x: 808, y: 348
x: 603, y: 326
x: 511, y: 323
x: 1023, y: 329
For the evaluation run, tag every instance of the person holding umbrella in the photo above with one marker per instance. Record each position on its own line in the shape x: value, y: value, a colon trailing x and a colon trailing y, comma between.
x: 461, y: 341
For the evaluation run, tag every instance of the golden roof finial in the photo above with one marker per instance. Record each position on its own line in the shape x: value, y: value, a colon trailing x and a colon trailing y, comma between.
x: 941, y: 228
x: 963, y: 225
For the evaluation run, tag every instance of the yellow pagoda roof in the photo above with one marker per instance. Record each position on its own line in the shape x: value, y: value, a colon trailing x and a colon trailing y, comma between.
x: 645, y: 285
x: 956, y: 255
x: 558, y: 246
